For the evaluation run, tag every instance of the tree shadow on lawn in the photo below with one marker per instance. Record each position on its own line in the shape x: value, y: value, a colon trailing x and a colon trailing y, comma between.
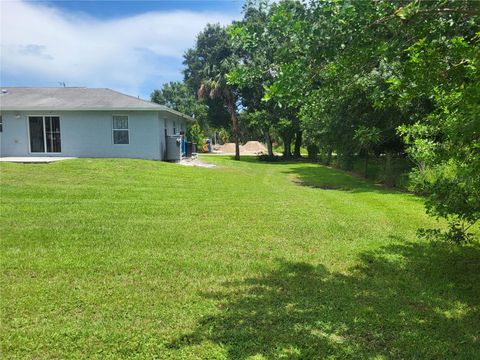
x: 315, y: 175
x: 323, y: 177
x: 327, y: 178
x: 402, y: 301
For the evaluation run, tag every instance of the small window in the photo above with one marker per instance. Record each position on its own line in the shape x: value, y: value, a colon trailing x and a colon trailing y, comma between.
x: 120, y: 129
x: 1, y: 124
x: 174, y: 128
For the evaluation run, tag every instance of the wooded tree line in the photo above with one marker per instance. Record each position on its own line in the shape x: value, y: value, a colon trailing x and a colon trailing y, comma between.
x: 352, y: 77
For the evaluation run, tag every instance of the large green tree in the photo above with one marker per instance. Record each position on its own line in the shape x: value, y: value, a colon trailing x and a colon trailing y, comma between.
x: 443, y: 66
x: 261, y: 48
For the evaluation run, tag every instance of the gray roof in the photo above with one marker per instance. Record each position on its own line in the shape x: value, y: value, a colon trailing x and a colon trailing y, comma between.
x: 74, y: 98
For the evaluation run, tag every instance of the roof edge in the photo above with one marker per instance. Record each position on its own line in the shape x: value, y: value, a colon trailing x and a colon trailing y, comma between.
x: 155, y: 108
x: 178, y: 113
x: 84, y: 109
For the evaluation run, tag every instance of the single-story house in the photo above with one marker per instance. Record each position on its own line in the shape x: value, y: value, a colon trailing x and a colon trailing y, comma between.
x: 84, y: 122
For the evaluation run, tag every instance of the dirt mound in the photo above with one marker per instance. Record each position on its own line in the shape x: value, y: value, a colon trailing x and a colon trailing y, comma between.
x: 251, y: 147
x: 227, y: 148
x: 254, y: 147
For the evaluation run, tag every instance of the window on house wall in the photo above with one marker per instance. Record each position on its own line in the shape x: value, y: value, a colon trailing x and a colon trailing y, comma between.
x: 120, y: 130
x: 174, y: 128
x: 1, y: 124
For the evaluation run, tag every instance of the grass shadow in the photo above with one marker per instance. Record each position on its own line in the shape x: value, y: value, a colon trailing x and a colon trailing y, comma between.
x: 323, y: 177
x: 312, y: 174
x: 254, y: 159
x: 402, y: 301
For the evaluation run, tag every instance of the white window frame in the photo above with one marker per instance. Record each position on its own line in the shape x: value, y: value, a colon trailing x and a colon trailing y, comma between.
x: 44, y: 134
x: 127, y: 129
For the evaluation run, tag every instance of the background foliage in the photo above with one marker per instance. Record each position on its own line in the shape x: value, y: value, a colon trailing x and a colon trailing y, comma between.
x: 357, y: 79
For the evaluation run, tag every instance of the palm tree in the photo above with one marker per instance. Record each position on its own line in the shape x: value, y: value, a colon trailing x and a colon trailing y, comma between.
x: 208, y: 64
x: 217, y: 88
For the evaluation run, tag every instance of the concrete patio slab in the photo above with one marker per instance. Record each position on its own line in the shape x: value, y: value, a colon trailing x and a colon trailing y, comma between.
x: 33, y: 159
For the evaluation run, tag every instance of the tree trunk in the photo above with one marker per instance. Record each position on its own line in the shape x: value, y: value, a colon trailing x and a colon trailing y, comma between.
x: 329, y: 156
x: 268, y: 139
x: 312, y: 152
x: 298, y: 144
x: 287, y: 142
x: 235, y: 134
x: 237, y: 148
x: 233, y: 115
x: 389, y: 178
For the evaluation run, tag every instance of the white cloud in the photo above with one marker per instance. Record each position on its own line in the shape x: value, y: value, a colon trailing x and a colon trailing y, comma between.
x: 45, y: 43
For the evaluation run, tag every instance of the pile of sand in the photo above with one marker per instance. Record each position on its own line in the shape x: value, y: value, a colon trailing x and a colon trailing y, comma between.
x: 250, y: 148
x: 254, y: 147
x: 228, y: 148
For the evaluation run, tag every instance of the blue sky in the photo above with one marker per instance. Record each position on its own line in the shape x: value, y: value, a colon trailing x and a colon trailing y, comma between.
x: 111, y: 8
x: 129, y: 46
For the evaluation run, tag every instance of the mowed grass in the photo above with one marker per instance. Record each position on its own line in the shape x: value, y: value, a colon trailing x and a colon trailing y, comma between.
x: 115, y: 258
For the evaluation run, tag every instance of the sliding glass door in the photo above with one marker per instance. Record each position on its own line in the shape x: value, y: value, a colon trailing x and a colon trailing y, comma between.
x: 52, y: 133
x: 37, y: 134
x: 44, y: 134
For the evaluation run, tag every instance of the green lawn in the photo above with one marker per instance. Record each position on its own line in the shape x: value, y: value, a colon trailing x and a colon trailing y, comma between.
x: 114, y: 259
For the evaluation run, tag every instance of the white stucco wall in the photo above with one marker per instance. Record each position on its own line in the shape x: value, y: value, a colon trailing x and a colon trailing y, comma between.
x: 89, y: 134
